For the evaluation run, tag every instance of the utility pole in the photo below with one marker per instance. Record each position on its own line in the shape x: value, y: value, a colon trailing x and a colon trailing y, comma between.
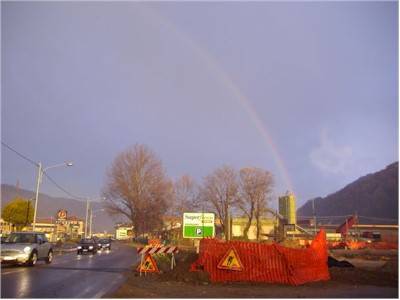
x: 315, y: 217
x: 39, y: 179
x: 356, y: 223
x: 91, y: 219
x: 86, y: 218
x: 90, y: 222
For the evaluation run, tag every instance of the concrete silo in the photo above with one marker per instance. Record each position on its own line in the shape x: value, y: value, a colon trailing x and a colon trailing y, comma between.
x: 287, y: 208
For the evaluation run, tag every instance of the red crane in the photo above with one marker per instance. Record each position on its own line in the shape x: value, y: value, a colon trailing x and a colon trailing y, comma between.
x: 344, y: 228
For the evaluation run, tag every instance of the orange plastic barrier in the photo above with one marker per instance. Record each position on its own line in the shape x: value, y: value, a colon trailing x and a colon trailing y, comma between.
x: 154, y: 242
x: 266, y: 263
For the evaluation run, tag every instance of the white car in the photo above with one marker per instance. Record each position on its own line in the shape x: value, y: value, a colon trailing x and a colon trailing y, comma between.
x: 26, y: 248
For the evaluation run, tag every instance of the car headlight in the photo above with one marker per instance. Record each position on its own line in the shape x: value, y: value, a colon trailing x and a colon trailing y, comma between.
x: 90, y: 247
x: 79, y: 247
x: 27, y: 249
x: 99, y: 245
x: 107, y: 245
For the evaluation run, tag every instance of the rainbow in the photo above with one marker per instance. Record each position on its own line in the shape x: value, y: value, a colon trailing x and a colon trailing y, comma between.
x: 228, y: 83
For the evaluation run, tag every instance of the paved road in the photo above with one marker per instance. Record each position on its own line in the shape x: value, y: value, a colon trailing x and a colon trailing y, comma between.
x: 70, y: 275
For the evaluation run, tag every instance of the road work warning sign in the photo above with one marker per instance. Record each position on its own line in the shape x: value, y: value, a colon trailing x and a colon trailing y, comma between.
x: 148, y: 265
x: 231, y: 261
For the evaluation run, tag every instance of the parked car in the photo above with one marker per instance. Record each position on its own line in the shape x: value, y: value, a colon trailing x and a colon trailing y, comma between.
x: 87, y: 246
x: 96, y: 240
x: 26, y: 248
x: 104, y: 244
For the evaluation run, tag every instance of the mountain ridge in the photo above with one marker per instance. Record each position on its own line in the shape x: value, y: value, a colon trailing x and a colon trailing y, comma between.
x: 373, y: 196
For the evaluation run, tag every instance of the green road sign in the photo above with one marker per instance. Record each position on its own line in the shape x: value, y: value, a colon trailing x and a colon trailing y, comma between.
x: 198, y: 225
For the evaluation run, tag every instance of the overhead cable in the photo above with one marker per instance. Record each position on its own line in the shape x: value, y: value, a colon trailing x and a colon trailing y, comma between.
x: 20, y: 154
x: 61, y: 188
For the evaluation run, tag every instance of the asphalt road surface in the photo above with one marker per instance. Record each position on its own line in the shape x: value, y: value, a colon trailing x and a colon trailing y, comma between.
x: 70, y: 275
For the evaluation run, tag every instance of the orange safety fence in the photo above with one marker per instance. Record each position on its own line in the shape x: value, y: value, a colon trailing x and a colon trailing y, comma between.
x: 266, y: 263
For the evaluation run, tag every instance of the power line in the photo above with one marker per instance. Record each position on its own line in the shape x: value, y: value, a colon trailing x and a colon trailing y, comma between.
x: 36, y: 165
x: 324, y: 217
x: 374, y: 218
x: 19, y: 154
x: 61, y: 188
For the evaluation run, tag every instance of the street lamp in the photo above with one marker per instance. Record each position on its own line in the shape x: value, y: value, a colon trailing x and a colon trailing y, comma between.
x: 41, y: 170
x: 89, y: 217
x: 91, y: 220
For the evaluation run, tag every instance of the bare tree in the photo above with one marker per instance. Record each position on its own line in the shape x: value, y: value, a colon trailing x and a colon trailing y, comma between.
x: 186, y: 195
x: 220, y: 189
x: 255, y: 189
x: 138, y: 188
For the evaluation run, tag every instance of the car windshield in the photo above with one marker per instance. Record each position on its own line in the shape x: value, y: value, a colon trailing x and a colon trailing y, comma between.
x: 21, y: 238
x: 104, y: 241
x: 86, y: 241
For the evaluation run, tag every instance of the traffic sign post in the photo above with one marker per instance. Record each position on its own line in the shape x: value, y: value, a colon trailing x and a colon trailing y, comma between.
x: 147, y: 251
x: 198, y: 225
x: 147, y: 265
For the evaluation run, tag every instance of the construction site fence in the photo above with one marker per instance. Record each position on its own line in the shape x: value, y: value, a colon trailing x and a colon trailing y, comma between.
x: 265, y: 263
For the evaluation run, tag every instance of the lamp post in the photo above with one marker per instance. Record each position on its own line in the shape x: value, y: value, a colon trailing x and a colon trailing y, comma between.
x: 86, y: 217
x: 41, y: 170
x: 91, y: 220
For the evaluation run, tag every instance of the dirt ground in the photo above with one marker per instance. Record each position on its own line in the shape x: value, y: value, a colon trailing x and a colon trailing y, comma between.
x: 375, y: 276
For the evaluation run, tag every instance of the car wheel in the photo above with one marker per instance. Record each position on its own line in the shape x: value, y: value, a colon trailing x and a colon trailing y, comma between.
x: 49, y: 258
x: 78, y: 253
x: 33, y: 259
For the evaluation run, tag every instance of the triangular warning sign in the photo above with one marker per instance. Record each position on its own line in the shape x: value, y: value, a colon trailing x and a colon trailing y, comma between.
x: 231, y: 261
x: 149, y: 265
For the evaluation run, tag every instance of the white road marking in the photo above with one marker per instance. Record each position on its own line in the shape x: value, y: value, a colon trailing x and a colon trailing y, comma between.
x: 108, y: 288
x: 12, y: 271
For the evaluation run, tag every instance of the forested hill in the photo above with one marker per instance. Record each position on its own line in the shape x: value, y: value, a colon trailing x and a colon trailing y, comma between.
x: 373, y: 195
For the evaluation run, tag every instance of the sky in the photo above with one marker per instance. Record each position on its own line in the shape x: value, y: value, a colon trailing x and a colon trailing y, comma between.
x: 305, y: 90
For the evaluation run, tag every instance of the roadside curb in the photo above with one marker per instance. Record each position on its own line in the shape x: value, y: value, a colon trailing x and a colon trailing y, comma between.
x: 63, y: 251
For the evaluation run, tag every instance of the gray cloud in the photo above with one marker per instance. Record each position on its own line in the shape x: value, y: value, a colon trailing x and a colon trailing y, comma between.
x: 330, y: 157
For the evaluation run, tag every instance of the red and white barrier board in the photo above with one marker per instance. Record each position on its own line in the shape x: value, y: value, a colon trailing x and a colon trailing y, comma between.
x: 156, y: 250
x: 146, y: 253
